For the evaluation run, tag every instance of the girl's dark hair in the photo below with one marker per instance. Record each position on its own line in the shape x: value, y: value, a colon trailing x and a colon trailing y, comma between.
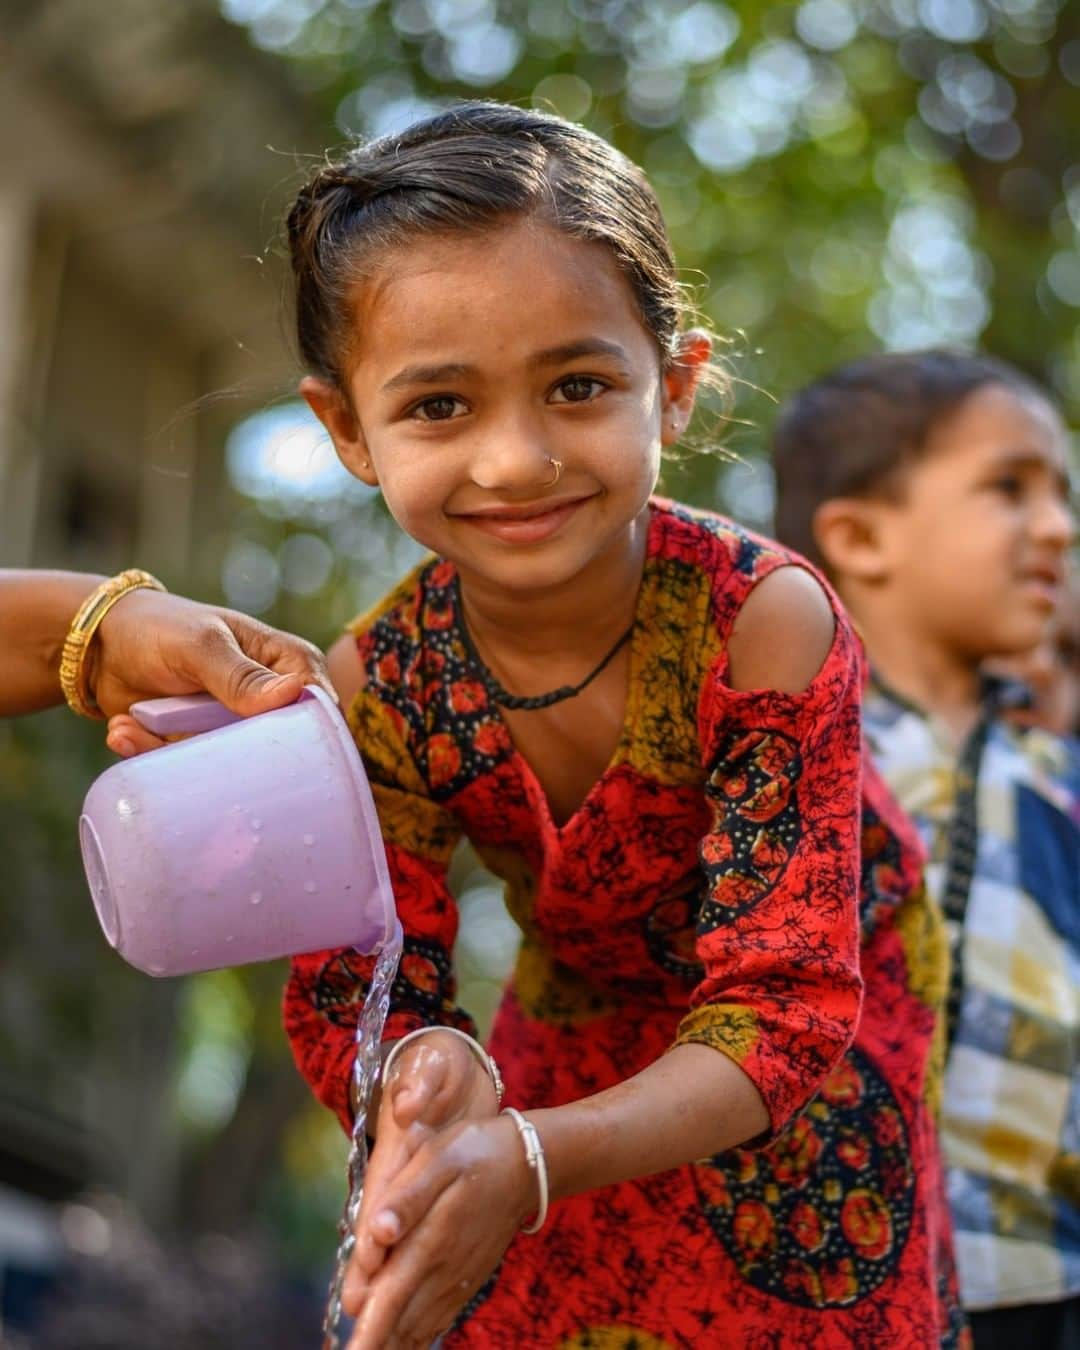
x: 855, y: 431
x: 463, y: 170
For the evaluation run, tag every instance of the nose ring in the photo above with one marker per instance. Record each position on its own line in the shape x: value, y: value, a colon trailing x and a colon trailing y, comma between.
x: 556, y: 465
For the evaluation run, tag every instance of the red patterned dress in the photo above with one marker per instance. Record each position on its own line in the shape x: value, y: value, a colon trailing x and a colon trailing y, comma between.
x: 710, y: 888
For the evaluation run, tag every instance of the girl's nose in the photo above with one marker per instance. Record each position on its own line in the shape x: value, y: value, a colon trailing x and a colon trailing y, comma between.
x: 512, y: 456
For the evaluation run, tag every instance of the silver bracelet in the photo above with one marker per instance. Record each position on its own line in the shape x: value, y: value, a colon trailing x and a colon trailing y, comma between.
x: 534, y: 1156
x: 474, y: 1045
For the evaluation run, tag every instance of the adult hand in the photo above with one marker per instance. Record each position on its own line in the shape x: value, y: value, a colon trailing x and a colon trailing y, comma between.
x: 437, y: 1113
x: 152, y: 645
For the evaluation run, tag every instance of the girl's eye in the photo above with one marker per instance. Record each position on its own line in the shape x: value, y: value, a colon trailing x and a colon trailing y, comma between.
x: 578, y: 389
x: 440, y: 408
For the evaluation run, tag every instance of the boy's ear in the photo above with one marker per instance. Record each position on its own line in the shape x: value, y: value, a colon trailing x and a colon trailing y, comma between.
x: 680, y: 383
x: 851, y: 536
x: 330, y: 406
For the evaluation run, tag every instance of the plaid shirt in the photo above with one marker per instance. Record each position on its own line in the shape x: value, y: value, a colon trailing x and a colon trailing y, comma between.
x: 1001, y: 822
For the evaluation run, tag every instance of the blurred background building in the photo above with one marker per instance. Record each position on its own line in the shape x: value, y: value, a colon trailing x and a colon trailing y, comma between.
x: 139, y: 193
x: 839, y: 176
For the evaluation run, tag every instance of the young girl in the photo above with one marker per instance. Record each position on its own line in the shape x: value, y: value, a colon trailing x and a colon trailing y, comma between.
x: 646, y: 721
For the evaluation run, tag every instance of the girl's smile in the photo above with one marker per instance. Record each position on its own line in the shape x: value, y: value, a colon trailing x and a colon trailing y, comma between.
x: 529, y: 524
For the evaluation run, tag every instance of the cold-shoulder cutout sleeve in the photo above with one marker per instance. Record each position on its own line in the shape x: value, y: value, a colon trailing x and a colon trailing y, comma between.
x: 782, y: 633
x: 777, y: 933
x: 326, y: 989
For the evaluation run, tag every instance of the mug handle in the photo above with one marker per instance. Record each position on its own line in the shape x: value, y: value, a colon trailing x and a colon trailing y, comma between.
x: 182, y: 716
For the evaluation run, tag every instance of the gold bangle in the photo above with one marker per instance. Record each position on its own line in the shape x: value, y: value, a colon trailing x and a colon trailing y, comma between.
x: 83, y: 627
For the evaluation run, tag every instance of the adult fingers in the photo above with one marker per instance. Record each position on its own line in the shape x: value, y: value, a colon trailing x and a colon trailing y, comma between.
x: 126, y: 737
x: 218, y: 663
x: 283, y: 656
x: 153, y: 644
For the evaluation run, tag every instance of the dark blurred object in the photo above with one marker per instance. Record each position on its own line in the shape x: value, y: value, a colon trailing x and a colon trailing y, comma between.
x: 41, y: 1154
x: 216, y: 1293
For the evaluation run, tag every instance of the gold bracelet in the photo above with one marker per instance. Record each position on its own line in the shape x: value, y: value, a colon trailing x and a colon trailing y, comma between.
x: 83, y: 627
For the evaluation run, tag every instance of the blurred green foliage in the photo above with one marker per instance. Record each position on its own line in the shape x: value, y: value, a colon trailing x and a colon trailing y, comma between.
x: 836, y: 173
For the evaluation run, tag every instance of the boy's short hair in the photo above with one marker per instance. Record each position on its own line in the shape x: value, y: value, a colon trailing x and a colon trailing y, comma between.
x: 854, y: 432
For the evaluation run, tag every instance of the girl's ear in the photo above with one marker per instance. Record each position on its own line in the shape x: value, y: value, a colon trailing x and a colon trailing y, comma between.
x: 851, y: 536
x: 680, y: 383
x: 331, y: 407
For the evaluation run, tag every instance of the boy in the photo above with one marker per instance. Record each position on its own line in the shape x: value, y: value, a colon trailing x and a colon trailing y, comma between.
x: 932, y: 488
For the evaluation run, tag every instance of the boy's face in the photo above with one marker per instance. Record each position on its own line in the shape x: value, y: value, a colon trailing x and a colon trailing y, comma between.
x: 975, y: 548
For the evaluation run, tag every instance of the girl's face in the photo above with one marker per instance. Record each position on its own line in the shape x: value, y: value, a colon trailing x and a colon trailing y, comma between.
x: 480, y: 362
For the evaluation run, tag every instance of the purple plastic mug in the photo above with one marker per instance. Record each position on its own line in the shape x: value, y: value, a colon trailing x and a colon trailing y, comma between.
x: 254, y: 840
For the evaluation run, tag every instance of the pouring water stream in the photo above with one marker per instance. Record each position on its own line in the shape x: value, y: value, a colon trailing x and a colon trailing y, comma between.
x: 366, y: 1069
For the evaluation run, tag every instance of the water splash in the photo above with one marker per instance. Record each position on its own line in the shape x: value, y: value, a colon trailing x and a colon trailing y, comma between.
x: 368, y: 1063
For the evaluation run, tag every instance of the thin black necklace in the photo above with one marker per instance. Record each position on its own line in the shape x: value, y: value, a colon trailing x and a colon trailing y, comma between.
x: 503, y: 697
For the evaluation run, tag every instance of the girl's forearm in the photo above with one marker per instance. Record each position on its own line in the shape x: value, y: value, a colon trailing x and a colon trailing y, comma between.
x: 36, y: 610
x: 689, y: 1104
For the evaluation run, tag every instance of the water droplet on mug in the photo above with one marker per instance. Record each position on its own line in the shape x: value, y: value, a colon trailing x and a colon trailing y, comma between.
x: 228, y: 937
x: 310, y: 887
x: 124, y: 807
x: 309, y: 839
x: 256, y: 897
x: 256, y: 824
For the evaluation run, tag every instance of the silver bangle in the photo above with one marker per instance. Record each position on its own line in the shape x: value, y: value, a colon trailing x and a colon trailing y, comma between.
x: 478, y: 1052
x: 534, y: 1156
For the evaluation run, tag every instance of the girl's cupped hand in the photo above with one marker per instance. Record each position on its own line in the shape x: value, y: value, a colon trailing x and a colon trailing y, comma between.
x: 447, y: 1189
